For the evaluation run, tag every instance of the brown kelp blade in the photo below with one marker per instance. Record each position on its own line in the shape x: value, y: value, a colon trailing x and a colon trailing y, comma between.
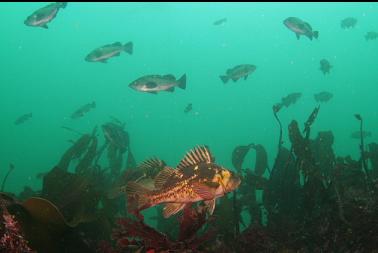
x: 261, y: 163
x: 238, y: 155
x: 45, y: 212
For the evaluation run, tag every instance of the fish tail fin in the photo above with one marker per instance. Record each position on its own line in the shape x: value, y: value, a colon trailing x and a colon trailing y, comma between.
x: 316, y: 34
x: 137, y: 196
x: 128, y: 47
x: 224, y: 79
x: 182, y: 82
x: 62, y: 4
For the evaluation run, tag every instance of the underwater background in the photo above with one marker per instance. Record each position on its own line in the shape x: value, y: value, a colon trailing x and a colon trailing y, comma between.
x: 44, y: 72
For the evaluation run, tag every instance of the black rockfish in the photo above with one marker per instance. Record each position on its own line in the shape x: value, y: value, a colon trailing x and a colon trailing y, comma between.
x: 196, y: 178
x: 300, y: 27
x: 237, y: 72
x: 42, y: 16
x: 102, y: 54
x: 156, y: 83
x: 83, y: 110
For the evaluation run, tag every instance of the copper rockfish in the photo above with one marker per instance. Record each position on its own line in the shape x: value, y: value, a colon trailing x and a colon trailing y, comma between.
x: 196, y: 178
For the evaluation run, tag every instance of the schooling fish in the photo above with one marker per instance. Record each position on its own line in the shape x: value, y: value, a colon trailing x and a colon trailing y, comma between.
x: 42, y: 16
x: 23, y: 118
x: 371, y: 36
x: 348, y: 23
x: 197, y: 178
x: 156, y: 83
x: 188, y: 108
x: 325, y: 66
x: 300, y: 27
x: 102, y: 54
x: 83, y: 110
x: 290, y: 99
x: 237, y: 72
x: 323, y: 96
x: 220, y: 21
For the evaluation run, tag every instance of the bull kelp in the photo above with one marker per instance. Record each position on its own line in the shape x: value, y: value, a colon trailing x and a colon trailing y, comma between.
x: 189, y: 127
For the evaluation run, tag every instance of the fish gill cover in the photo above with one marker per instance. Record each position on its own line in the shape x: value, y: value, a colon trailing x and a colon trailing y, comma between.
x: 189, y: 127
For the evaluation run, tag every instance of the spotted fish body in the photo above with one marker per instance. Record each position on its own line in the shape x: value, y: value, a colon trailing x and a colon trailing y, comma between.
x: 197, y: 178
x: 300, y: 27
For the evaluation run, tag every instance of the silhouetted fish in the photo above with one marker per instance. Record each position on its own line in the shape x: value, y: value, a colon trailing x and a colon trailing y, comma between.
x: 323, y: 96
x: 348, y: 23
x: 325, y: 66
x: 237, y: 72
x: 371, y: 36
x: 83, y: 110
x: 23, y: 118
x: 188, y: 108
x: 220, y: 21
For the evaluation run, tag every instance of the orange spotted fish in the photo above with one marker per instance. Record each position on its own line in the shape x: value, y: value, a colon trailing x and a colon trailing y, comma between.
x: 196, y: 178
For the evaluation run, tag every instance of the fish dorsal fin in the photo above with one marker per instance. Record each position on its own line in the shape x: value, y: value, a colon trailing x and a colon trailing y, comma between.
x: 163, y: 176
x: 172, y: 208
x: 117, y: 44
x: 169, y: 77
x: 151, y: 163
x: 196, y: 156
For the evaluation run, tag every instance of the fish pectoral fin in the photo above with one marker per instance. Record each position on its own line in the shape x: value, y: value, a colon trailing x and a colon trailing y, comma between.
x: 163, y: 176
x: 235, y: 78
x: 138, y: 194
x: 172, y: 89
x: 151, y: 85
x: 152, y: 92
x: 204, y: 191
x: 45, y: 26
x: 210, y: 204
x: 172, y: 208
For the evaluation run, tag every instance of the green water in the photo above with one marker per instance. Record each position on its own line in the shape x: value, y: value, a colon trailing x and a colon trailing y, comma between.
x: 43, y: 71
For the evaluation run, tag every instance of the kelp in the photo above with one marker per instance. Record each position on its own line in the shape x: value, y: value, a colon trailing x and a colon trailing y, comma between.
x: 238, y: 155
x: 11, y: 168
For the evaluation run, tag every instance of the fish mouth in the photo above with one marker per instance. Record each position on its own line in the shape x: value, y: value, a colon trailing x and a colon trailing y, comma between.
x: 233, y: 184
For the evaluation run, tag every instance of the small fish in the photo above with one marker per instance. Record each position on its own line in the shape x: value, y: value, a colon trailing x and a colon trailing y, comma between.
x: 42, y: 16
x: 82, y: 110
x: 237, y: 72
x: 371, y: 36
x: 23, y: 118
x: 325, y: 66
x: 323, y: 96
x: 290, y: 99
x: 220, y: 21
x: 347, y: 23
x: 102, y: 54
x: 156, y: 83
x: 300, y: 27
x: 357, y: 134
x: 197, y: 178
x: 188, y: 108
